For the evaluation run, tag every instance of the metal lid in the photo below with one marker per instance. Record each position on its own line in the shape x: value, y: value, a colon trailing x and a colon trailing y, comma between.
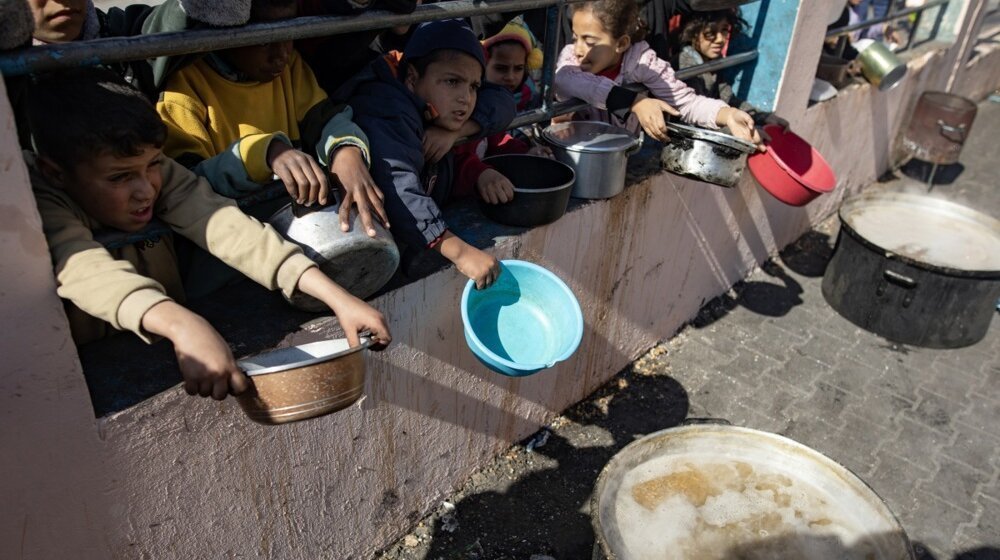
x: 589, y: 136
x: 284, y: 359
x: 712, y: 136
x: 728, y: 492
x: 926, y: 230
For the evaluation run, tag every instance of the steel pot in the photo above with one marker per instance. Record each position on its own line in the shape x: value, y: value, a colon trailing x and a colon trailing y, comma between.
x: 541, y: 190
x: 711, y: 492
x: 303, y: 381
x: 915, y: 269
x: 358, y: 263
x: 705, y: 155
x: 939, y: 127
x: 880, y: 66
x: 598, y: 153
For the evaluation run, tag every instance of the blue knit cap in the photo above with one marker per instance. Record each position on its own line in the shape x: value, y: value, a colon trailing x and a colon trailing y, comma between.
x: 451, y: 34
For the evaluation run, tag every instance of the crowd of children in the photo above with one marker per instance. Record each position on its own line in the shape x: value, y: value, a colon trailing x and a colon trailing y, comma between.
x: 190, y: 149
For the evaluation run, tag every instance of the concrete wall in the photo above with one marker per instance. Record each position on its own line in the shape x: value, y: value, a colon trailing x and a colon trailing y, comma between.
x: 179, y: 477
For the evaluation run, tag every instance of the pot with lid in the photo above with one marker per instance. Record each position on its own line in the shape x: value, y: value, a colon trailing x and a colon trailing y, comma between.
x: 714, y: 492
x: 939, y: 127
x: 705, y: 155
x: 598, y: 153
x: 915, y: 269
x: 358, y: 263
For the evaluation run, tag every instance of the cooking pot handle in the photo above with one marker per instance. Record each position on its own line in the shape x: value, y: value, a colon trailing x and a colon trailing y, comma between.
x: 698, y: 421
x: 899, y: 279
x: 637, y: 145
x: 947, y: 131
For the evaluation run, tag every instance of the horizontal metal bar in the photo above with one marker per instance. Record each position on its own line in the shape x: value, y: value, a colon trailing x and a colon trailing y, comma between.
x: 574, y: 105
x: 889, y: 17
x: 121, y: 49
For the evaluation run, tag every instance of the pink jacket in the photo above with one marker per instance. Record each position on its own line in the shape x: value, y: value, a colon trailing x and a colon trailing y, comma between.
x: 639, y: 65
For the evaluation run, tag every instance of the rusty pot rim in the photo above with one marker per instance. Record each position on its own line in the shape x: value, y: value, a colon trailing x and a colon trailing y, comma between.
x: 251, y: 368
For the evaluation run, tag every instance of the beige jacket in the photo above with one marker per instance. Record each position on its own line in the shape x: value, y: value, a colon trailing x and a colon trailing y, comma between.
x: 105, y: 289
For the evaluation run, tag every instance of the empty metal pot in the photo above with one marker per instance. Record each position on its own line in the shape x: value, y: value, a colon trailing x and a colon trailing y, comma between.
x: 705, y: 155
x: 880, y: 66
x: 541, y: 190
x: 358, y: 263
x: 597, y: 151
x: 939, y: 127
x: 303, y: 381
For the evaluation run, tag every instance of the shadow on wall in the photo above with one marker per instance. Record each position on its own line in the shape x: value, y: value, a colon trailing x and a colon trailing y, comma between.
x: 545, y: 512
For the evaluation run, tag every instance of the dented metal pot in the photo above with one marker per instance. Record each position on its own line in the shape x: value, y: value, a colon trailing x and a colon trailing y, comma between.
x: 705, y: 155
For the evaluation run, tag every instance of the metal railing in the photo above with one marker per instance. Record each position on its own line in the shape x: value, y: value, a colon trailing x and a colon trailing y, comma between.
x: 893, y: 15
x: 122, y: 49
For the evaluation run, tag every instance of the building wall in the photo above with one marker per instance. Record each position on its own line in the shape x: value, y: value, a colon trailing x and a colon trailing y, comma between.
x: 179, y: 477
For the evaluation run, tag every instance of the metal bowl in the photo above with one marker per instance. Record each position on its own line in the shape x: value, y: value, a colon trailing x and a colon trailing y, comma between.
x: 358, y: 263
x: 541, y: 190
x: 705, y: 155
x: 303, y: 381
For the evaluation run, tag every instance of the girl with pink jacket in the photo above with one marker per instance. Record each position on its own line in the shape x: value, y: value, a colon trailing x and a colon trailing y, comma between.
x: 608, y: 51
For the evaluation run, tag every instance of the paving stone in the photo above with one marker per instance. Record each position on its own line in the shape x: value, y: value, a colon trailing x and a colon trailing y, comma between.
x: 810, y: 430
x: 773, y: 342
x: 968, y: 359
x: 932, y: 522
x: 822, y: 347
x: 948, y: 382
x: 973, y: 447
x: 771, y: 400
x: 841, y: 328
x: 936, y: 411
x: 854, y: 445
x: 879, y: 408
x: 851, y: 376
x: 693, y: 351
x: 900, y: 380
x: 894, y: 480
x: 827, y: 402
x: 915, y: 443
x: 955, y: 483
x: 748, y: 366
x: 985, y: 532
x: 982, y: 414
x: 800, y: 372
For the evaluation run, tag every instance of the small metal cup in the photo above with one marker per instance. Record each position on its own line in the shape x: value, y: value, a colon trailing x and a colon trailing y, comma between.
x: 880, y: 66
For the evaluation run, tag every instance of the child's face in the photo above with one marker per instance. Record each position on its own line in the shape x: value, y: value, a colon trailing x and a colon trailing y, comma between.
x: 263, y: 63
x: 595, y: 49
x: 118, y: 192
x: 450, y: 86
x: 58, y: 21
x: 712, y: 40
x: 506, y: 65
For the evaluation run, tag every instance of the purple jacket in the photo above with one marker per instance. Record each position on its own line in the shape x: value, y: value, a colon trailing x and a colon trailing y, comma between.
x: 639, y: 65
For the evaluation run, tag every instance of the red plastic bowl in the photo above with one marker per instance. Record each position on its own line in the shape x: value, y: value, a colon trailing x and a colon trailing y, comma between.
x: 791, y: 170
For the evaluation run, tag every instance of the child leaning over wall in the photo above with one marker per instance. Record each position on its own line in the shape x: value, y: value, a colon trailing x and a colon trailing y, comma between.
x: 413, y: 106
x: 100, y: 170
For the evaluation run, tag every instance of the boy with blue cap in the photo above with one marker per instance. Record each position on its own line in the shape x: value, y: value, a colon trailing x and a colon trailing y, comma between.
x: 413, y: 106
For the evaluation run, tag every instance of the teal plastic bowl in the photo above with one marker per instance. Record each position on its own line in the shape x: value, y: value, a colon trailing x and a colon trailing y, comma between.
x: 527, y: 321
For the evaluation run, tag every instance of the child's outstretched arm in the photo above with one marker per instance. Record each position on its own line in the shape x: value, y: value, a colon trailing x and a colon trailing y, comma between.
x: 657, y: 75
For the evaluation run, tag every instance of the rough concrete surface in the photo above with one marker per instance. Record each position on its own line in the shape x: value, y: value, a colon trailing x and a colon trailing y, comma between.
x: 921, y: 426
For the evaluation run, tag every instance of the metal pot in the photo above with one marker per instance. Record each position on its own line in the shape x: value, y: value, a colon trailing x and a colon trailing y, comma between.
x: 705, y: 155
x: 716, y: 491
x: 597, y: 151
x: 358, y: 263
x: 303, y: 381
x: 939, y: 127
x: 834, y: 70
x: 541, y: 190
x: 880, y: 66
x: 915, y: 269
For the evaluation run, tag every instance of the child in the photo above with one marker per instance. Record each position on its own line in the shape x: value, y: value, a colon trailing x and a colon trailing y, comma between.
x: 100, y: 167
x: 511, y: 54
x: 242, y: 115
x: 704, y: 37
x: 413, y: 106
x: 607, y: 51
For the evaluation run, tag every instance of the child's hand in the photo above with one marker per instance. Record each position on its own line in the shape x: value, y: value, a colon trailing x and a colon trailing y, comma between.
x: 542, y: 151
x: 205, y: 360
x: 438, y: 142
x: 649, y: 111
x: 480, y: 267
x: 740, y: 125
x: 303, y: 177
x: 349, y: 166
x: 355, y: 316
x: 494, y: 188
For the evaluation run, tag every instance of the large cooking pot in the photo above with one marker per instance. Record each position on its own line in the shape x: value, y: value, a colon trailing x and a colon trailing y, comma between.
x: 541, y: 190
x: 304, y: 381
x: 705, y: 155
x: 879, y: 65
x: 597, y: 151
x: 710, y: 492
x: 939, y: 127
x: 358, y: 263
x: 915, y: 269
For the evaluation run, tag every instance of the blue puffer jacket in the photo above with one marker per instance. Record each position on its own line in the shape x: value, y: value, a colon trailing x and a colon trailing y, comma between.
x: 393, y: 119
